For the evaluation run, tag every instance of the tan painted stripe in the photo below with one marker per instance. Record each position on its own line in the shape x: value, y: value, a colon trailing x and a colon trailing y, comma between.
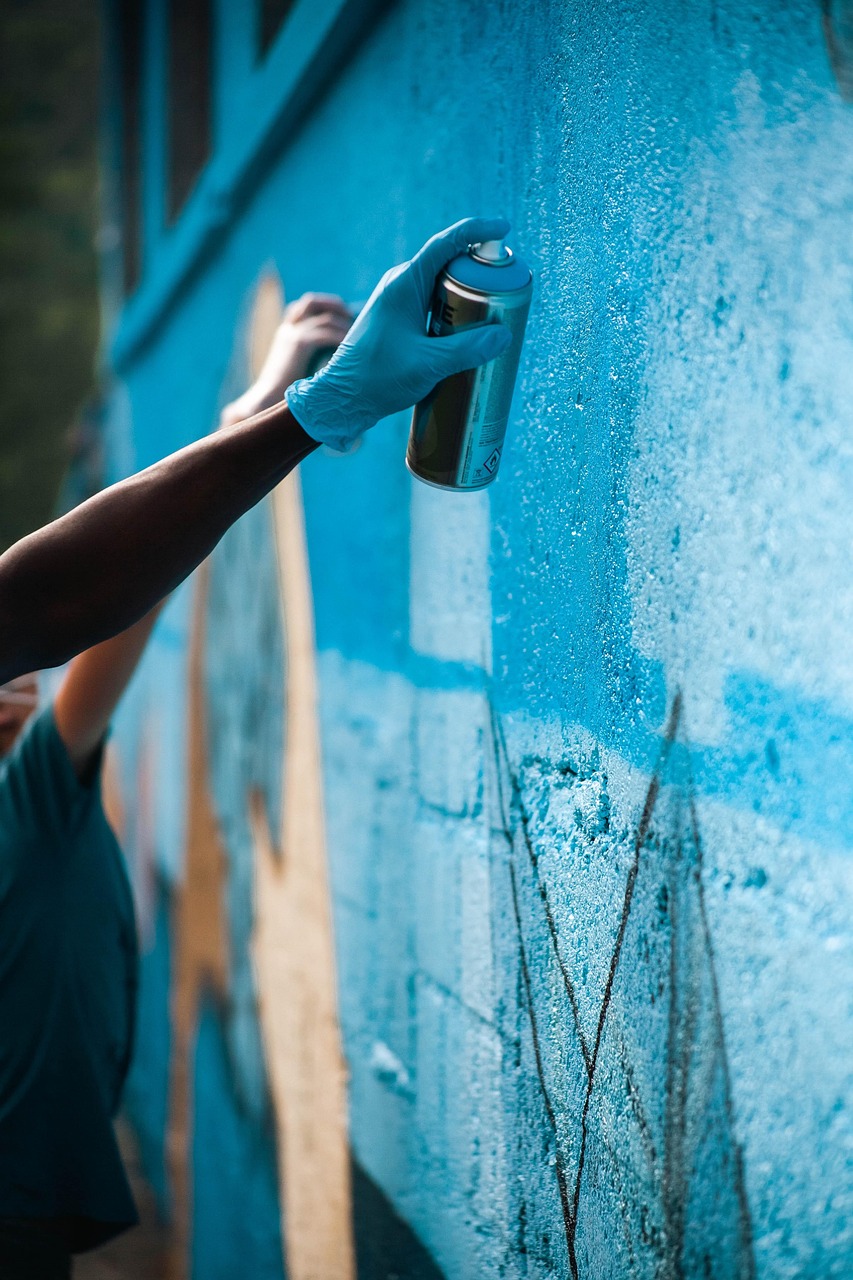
x: 294, y: 952
x: 200, y: 940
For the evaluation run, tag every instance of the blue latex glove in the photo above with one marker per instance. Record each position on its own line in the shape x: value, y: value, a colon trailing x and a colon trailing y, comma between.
x: 387, y: 362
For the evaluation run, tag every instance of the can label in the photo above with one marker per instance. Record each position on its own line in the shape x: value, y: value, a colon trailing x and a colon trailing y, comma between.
x: 485, y: 444
x: 482, y: 448
x: 458, y: 430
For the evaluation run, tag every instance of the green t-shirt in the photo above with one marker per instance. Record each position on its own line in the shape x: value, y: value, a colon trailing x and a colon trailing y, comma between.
x: 68, y: 978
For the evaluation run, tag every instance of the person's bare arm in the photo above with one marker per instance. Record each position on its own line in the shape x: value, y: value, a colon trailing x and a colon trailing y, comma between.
x: 96, y: 679
x: 93, y: 686
x: 99, y: 569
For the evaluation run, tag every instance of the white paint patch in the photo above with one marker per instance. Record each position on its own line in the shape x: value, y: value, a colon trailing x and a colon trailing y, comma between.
x: 450, y: 607
x: 387, y: 1066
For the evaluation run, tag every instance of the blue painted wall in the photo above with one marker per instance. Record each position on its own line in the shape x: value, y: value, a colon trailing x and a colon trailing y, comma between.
x: 588, y: 737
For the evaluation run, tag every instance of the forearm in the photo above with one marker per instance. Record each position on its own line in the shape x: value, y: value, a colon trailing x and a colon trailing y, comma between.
x: 97, y: 570
x: 93, y: 686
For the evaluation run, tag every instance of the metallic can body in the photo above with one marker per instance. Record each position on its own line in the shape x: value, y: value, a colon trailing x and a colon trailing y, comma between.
x: 458, y: 430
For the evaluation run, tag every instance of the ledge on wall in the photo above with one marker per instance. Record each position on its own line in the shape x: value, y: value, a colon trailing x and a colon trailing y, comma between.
x: 317, y: 39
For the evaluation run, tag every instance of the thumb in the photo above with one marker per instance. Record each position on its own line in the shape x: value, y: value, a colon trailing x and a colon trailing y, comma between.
x: 473, y: 347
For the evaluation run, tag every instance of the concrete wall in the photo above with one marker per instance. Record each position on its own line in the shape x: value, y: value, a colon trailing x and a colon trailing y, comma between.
x: 587, y: 737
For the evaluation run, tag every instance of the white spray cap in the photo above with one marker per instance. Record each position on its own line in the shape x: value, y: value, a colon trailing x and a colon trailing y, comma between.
x: 492, y: 251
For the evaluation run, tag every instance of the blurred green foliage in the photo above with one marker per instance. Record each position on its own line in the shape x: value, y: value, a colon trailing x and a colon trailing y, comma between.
x: 49, y: 102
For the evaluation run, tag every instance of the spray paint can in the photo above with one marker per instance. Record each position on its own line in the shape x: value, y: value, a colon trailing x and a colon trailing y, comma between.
x: 458, y: 430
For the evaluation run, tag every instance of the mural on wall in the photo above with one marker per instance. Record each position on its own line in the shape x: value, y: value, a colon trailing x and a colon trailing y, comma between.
x: 200, y: 945
x: 256, y: 1079
x: 252, y: 924
x: 293, y: 945
x: 510, y: 932
x: 637, y: 1144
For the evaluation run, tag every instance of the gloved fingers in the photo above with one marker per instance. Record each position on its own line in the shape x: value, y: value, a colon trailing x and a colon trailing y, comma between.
x: 311, y: 304
x: 438, y: 250
x: 472, y: 347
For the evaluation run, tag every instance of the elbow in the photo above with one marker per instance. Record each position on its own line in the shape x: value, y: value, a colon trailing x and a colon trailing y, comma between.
x: 13, y: 656
x: 13, y: 660
x: 28, y: 632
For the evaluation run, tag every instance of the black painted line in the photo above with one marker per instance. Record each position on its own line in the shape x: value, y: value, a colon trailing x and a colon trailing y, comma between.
x: 637, y: 1106
x: 517, y: 799
x: 642, y: 832
x: 679, y: 1038
x: 498, y: 740
x: 748, y: 1268
x: 679, y: 1042
x: 552, y: 929
x: 568, y: 1223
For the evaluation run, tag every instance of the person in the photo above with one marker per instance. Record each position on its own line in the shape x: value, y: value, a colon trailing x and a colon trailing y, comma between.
x: 89, y: 587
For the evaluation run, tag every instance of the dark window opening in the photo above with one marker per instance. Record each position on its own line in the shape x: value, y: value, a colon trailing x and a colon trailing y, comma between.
x: 190, y: 96
x: 130, y: 70
x: 273, y: 14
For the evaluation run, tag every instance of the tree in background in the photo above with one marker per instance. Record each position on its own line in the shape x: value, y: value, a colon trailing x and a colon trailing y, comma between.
x: 49, y: 101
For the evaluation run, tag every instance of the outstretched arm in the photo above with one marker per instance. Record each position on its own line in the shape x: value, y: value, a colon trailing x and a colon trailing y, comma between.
x: 100, y: 568
x: 96, y: 679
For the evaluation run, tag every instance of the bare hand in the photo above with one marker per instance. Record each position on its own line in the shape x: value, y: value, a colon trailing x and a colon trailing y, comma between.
x: 314, y: 322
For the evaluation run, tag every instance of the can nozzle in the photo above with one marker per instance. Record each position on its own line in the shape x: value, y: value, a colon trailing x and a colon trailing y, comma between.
x: 495, y: 252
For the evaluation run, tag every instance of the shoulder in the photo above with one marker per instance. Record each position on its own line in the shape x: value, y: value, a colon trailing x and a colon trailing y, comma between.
x: 39, y: 789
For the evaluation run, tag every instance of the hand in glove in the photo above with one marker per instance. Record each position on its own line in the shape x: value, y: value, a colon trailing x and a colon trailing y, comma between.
x: 387, y: 362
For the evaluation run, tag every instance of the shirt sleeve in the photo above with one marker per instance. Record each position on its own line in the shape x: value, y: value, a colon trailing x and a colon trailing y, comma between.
x: 41, y: 786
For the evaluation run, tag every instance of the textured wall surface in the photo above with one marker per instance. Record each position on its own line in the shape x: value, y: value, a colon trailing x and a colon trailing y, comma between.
x: 588, y: 736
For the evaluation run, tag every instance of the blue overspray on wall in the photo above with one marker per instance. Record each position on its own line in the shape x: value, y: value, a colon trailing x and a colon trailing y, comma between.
x: 233, y: 1170
x: 668, y: 544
